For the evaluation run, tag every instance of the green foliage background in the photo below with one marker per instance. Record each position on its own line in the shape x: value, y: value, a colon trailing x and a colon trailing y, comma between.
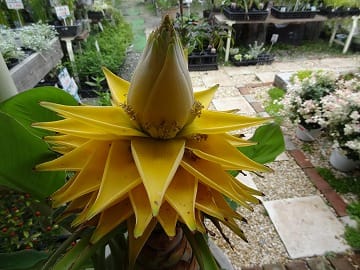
x: 113, y: 42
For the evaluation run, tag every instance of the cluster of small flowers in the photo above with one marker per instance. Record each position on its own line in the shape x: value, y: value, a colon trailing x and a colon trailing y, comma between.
x: 328, y: 101
x: 341, y: 115
x: 302, y: 102
x: 15, y: 42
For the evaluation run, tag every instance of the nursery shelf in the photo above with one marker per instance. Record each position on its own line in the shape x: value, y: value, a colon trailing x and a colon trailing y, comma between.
x: 29, y: 72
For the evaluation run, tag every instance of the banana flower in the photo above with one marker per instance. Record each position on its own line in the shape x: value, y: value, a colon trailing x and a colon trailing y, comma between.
x: 156, y: 156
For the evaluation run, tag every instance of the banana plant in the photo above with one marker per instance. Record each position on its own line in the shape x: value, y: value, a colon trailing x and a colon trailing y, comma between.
x: 149, y: 169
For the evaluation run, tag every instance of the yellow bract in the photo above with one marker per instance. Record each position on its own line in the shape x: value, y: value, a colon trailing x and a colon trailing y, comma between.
x: 153, y: 156
x: 161, y: 81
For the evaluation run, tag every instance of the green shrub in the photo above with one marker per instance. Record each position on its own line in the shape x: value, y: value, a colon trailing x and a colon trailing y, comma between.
x: 347, y: 185
x: 352, y: 234
x: 25, y: 223
x: 350, y: 184
x: 112, y: 43
x: 272, y: 106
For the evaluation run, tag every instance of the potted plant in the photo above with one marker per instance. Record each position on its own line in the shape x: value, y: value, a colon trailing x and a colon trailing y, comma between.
x: 210, y: 6
x: 295, y: 9
x: 66, y: 24
x: 341, y: 119
x: 68, y: 31
x: 340, y: 8
x: 241, y: 10
x: 96, y: 15
x: 256, y: 54
x: 96, y: 12
x: 302, y: 102
x: 11, y: 51
x: 202, y: 40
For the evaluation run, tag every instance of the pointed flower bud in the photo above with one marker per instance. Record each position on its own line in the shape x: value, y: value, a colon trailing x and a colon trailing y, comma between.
x: 160, y: 95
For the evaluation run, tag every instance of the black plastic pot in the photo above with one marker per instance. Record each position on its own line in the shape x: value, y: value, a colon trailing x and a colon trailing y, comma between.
x: 69, y: 31
x: 202, y: 61
x: 301, y: 14
x: 262, y: 59
x: 240, y: 15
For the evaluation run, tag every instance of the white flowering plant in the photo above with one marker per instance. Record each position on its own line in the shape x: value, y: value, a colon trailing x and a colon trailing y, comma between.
x: 302, y: 102
x: 341, y: 115
x: 15, y: 43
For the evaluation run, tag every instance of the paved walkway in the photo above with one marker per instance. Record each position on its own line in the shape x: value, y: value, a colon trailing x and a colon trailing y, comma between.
x: 320, y: 229
x: 307, y: 226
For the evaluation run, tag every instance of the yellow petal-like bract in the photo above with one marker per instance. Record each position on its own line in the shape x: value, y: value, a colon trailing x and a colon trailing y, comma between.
x: 156, y: 156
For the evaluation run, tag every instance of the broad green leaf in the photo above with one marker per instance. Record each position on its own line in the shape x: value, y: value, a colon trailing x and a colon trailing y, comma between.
x: 270, y: 143
x: 25, y: 107
x: 201, y: 249
x: 24, y: 259
x: 20, y: 151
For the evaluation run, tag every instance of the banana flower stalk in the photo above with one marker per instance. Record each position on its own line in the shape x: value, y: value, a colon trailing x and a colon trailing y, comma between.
x: 157, y: 156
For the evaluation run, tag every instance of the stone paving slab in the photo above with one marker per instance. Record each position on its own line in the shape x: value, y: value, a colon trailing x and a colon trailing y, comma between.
x: 226, y: 91
x: 281, y: 80
x: 244, y: 79
x: 267, y: 76
x: 287, y: 66
x: 306, y: 226
x: 245, y: 70
x: 210, y: 78
x: 282, y: 157
x: 230, y: 103
x: 246, y: 179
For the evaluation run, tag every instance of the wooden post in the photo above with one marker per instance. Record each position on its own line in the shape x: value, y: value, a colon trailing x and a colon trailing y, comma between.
x: 181, y: 8
x: 7, y: 85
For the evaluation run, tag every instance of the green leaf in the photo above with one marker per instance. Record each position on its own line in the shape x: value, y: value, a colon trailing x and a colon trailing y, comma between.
x: 201, y: 250
x: 24, y: 259
x: 21, y: 147
x: 78, y: 256
x: 270, y: 143
x: 20, y: 151
x: 25, y: 107
x: 73, y: 256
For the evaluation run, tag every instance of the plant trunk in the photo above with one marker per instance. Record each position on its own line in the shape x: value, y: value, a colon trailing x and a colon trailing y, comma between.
x: 8, y: 88
x: 164, y: 253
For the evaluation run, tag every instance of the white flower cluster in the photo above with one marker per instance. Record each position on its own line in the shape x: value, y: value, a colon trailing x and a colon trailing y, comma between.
x: 34, y: 37
x: 341, y: 115
x: 328, y: 101
x: 37, y: 37
x: 302, y: 102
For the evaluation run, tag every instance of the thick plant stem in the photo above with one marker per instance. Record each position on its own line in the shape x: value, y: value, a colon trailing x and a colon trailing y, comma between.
x: 167, y: 253
x: 7, y: 86
x: 55, y: 256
